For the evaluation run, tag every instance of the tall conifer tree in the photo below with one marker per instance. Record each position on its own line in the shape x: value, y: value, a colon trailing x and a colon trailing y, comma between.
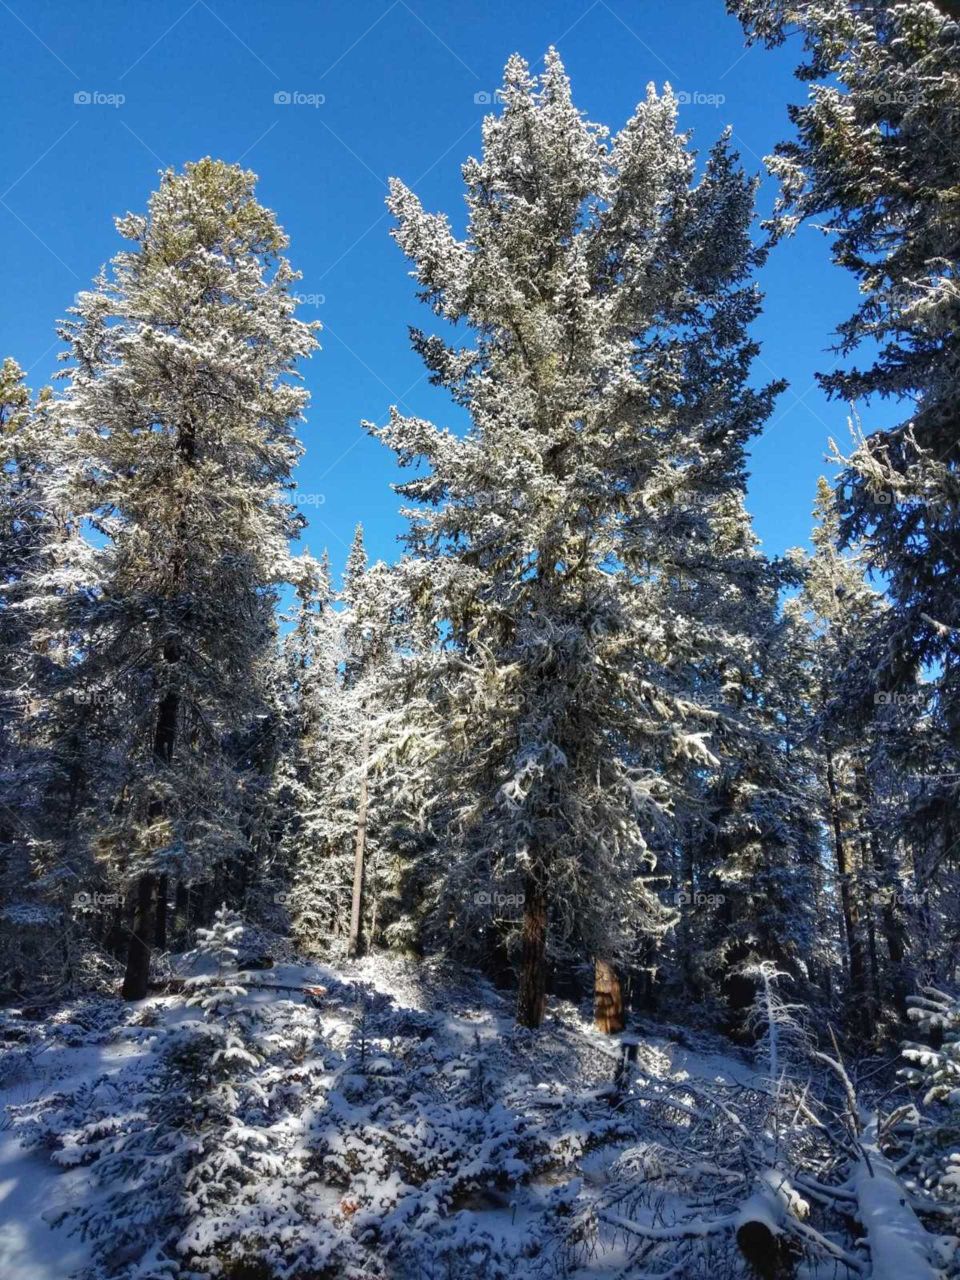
x: 597, y: 278
x: 179, y: 420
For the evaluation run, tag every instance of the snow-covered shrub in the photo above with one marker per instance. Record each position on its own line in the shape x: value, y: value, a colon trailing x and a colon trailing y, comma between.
x: 934, y: 1159
x: 173, y: 1140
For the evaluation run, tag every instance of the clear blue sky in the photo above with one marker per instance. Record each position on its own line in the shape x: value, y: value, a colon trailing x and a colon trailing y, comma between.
x: 399, y: 81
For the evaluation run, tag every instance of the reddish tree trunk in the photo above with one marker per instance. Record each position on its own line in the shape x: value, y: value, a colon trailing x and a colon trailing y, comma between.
x: 607, y: 998
x: 532, y: 995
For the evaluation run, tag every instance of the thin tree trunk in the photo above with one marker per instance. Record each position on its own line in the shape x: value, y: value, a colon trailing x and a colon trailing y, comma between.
x: 607, y: 998
x: 872, y: 946
x: 532, y: 995
x: 884, y: 866
x: 143, y: 936
x: 646, y: 978
x: 355, y: 941
x: 685, y: 925
x: 848, y: 900
x: 163, y: 889
x: 181, y: 904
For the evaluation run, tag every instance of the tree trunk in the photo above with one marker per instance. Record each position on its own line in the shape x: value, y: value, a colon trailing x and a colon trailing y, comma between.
x: 848, y: 899
x: 181, y: 910
x: 760, y: 1229
x: 607, y: 998
x: 137, y: 976
x: 685, y: 939
x: 884, y: 866
x: 163, y: 888
x: 355, y: 941
x: 143, y: 935
x: 532, y: 995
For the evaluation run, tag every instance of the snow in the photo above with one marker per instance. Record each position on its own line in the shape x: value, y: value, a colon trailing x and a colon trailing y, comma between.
x: 442, y: 1131
x: 398, y: 1125
x: 33, y: 1191
x: 898, y: 1242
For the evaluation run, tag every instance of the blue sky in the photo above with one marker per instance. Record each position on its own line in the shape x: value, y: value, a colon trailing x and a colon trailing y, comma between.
x: 398, y: 82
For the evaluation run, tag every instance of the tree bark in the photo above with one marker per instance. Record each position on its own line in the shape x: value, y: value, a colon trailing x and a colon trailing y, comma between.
x: 355, y: 941
x: 532, y: 994
x: 143, y: 935
x: 848, y: 902
x: 607, y: 998
x: 890, y: 878
x: 137, y: 977
x: 160, y: 933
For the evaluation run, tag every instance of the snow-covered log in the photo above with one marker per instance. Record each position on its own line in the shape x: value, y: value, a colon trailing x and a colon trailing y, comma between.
x: 899, y: 1245
x: 761, y: 1223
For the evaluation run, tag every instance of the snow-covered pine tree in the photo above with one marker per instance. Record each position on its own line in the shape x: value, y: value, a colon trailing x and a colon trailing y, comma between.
x: 874, y: 157
x: 932, y: 1160
x: 571, y: 707
x: 839, y: 615
x: 749, y: 854
x: 180, y: 415
x: 321, y: 743
x: 364, y: 650
x: 374, y: 689
x: 19, y: 539
x: 363, y: 772
x: 47, y: 748
x: 22, y: 535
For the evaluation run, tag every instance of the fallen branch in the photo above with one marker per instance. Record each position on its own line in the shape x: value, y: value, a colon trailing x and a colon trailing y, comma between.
x: 899, y: 1245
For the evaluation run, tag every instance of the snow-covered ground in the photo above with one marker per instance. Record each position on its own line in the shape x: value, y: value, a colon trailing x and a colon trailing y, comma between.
x: 33, y: 1190
x: 403, y: 1126
x: 424, y: 1101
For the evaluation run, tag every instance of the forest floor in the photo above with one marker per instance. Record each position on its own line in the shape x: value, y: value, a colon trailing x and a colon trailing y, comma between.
x: 420, y: 1133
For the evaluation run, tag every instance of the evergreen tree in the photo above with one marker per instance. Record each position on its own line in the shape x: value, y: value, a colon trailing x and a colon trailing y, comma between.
x: 321, y: 747
x: 874, y: 154
x: 594, y: 277
x: 179, y: 442
x: 840, y: 614
x: 363, y: 763
x: 747, y: 866
x: 47, y: 748
x: 932, y: 1160
x: 19, y: 537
